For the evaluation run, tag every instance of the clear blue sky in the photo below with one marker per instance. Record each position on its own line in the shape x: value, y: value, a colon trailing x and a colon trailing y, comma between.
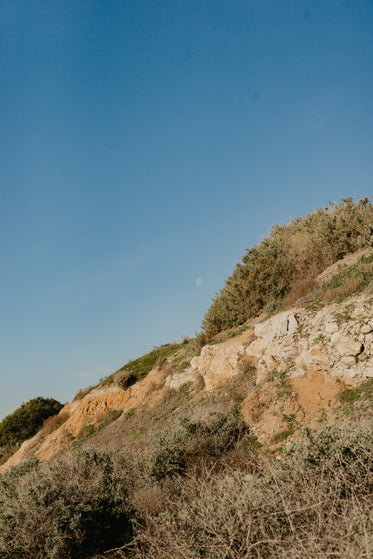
x: 144, y: 146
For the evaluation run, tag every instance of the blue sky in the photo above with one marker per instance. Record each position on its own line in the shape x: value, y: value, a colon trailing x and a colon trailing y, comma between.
x: 144, y: 146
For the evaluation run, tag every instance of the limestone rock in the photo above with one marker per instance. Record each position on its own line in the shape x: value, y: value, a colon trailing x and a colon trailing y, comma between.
x: 179, y: 378
x: 217, y: 364
x: 277, y: 326
x: 345, y: 345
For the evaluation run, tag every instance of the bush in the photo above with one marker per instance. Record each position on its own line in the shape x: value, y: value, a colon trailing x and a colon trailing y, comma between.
x: 316, y: 502
x: 72, y: 507
x: 292, y: 254
x: 180, y: 445
x: 23, y: 423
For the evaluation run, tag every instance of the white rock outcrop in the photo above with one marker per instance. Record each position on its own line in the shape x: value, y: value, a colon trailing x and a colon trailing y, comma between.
x: 337, y: 340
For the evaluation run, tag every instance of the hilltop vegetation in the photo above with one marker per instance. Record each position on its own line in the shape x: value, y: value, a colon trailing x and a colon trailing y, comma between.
x: 288, y: 259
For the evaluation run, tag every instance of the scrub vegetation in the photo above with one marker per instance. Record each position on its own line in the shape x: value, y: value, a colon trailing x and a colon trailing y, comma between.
x: 203, y: 489
x: 286, y: 262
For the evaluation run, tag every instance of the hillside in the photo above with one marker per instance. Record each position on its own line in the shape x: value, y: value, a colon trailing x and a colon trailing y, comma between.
x: 162, y: 458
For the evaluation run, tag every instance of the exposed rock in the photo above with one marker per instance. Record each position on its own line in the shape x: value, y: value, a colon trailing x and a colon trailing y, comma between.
x: 345, y: 345
x: 277, y: 326
x: 176, y: 380
x: 218, y: 364
x: 330, y: 340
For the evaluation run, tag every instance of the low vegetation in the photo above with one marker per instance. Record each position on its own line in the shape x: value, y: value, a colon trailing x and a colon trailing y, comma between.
x: 71, y: 507
x: 205, y: 490
x: 179, y: 446
x: 315, y: 502
x: 350, y: 279
x: 348, y: 397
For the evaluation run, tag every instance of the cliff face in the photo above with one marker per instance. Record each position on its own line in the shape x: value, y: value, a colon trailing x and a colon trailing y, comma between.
x: 298, y: 361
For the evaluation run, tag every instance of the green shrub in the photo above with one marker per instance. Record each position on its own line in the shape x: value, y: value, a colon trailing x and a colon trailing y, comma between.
x: 283, y: 386
x: 23, y: 423
x: 282, y: 435
x: 184, y: 387
x: 291, y: 254
x: 72, y: 507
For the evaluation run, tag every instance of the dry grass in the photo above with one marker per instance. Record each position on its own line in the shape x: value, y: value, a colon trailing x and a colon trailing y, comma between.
x: 316, y: 503
x: 82, y: 392
x: 351, y: 286
x: 54, y: 422
x: 299, y: 291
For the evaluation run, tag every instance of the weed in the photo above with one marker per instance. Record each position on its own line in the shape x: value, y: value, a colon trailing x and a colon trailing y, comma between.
x: 85, y: 433
x: 184, y: 387
x: 165, y: 414
x: 283, y: 435
x: 183, y: 365
x: 289, y: 418
x: 141, y: 432
x: 351, y: 395
x: 323, y: 417
x: 250, y: 443
x: 128, y: 414
x: 343, y: 316
x: 321, y: 338
x: 349, y: 280
x: 283, y: 387
x: 82, y: 392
